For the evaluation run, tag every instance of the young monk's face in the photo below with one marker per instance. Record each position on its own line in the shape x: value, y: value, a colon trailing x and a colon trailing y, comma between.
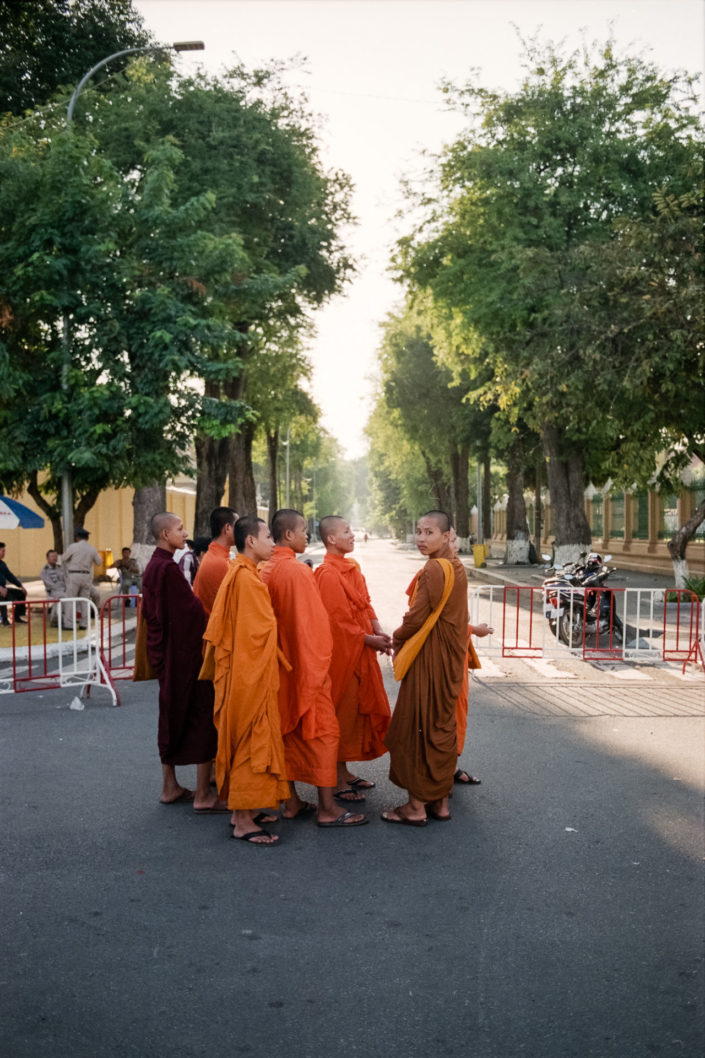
x: 297, y: 538
x: 175, y: 536
x: 430, y: 539
x: 262, y: 544
x: 342, y: 540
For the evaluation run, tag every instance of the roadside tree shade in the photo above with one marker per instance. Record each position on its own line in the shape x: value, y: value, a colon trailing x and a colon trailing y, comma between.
x: 14, y: 515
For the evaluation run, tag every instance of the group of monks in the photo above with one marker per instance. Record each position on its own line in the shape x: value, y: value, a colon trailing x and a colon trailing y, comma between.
x: 269, y: 669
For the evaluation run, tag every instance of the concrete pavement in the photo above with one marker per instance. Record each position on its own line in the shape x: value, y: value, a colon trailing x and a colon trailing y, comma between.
x: 559, y: 915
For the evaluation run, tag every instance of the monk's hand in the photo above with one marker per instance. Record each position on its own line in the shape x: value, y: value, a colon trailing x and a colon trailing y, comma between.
x: 380, y: 643
x: 482, y: 630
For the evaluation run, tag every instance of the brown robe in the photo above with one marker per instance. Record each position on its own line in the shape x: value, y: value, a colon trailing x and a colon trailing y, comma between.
x: 175, y: 625
x: 422, y: 737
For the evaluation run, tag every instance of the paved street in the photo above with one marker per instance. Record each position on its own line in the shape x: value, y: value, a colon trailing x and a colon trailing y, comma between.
x: 559, y: 915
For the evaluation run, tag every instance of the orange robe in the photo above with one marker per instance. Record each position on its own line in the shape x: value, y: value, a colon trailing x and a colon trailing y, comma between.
x: 214, y: 565
x: 357, y: 686
x: 461, y: 706
x: 308, y: 721
x: 241, y: 655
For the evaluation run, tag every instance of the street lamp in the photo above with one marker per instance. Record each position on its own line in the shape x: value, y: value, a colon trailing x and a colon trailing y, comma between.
x: 181, y: 45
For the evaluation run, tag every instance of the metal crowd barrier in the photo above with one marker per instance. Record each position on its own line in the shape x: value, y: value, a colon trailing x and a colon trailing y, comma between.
x: 91, y: 649
x: 651, y: 628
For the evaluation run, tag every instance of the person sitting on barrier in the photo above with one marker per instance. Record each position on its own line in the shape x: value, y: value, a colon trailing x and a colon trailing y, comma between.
x: 10, y: 590
x: 175, y: 622
x: 53, y: 577
x: 77, y: 561
x: 130, y: 575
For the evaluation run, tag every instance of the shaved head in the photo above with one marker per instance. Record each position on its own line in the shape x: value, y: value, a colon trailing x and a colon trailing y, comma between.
x: 441, y: 519
x: 329, y: 525
x: 283, y: 521
x: 162, y: 521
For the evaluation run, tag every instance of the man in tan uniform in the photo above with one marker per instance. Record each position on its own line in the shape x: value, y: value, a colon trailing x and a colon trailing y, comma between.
x: 77, y: 561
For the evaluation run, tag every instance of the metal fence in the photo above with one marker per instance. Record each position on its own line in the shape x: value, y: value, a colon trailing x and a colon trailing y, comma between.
x: 67, y: 642
x: 640, y: 626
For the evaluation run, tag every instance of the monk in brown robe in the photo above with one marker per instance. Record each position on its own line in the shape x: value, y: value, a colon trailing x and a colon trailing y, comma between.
x: 462, y: 777
x: 308, y: 721
x: 431, y: 646
x: 241, y: 658
x: 175, y: 623
x: 216, y: 561
x: 357, y: 686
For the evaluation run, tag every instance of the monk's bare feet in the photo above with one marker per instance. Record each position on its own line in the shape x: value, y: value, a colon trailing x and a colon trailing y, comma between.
x: 406, y: 814
x: 179, y: 795
x: 244, y: 829
x: 439, y: 810
x: 208, y: 805
x: 346, y: 795
x: 295, y: 808
x: 327, y: 818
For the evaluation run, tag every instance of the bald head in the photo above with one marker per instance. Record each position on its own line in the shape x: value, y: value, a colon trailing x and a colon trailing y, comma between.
x: 162, y: 522
x: 329, y: 525
x: 285, y: 520
x: 441, y: 519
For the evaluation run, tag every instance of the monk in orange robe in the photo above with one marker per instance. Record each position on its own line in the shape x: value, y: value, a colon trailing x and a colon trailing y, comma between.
x: 430, y: 658
x: 216, y: 561
x: 241, y: 658
x: 308, y: 722
x: 357, y: 686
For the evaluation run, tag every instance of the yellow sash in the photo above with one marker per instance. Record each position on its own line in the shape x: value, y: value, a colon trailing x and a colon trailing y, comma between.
x: 407, y: 654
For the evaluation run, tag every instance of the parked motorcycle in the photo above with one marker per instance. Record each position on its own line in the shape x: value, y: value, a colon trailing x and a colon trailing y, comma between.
x: 577, y: 611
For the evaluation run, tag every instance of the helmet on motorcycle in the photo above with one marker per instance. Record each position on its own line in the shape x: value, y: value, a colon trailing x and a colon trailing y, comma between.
x: 593, y: 559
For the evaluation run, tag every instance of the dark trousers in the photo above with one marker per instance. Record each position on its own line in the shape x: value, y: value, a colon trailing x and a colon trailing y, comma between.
x: 13, y: 595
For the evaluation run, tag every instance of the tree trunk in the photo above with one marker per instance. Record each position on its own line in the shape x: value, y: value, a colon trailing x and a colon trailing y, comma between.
x: 462, y: 495
x: 273, y: 457
x: 146, y: 502
x: 51, y: 511
x: 538, y: 508
x: 86, y: 503
x: 242, y: 494
x: 517, y: 525
x: 566, y: 484
x: 679, y: 542
x: 487, y: 500
x: 437, y: 484
x: 212, y: 458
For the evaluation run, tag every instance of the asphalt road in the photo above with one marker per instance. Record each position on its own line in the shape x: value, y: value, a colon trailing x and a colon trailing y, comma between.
x: 559, y: 915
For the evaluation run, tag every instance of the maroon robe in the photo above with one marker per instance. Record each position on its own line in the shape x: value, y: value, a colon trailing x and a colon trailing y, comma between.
x: 175, y: 623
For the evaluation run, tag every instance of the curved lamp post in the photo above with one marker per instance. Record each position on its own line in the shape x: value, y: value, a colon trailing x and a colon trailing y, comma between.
x: 182, y: 45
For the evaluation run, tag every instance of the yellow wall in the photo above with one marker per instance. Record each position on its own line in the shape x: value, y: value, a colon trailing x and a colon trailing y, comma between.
x: 109, y: 523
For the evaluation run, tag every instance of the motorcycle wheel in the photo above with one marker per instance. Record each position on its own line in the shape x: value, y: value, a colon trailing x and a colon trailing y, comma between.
x: 571, y: 632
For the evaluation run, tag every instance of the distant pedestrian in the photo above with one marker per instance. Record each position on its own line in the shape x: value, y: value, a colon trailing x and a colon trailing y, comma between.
x: 175, y: 623
x: 11, y: 590
x: 130, y: 574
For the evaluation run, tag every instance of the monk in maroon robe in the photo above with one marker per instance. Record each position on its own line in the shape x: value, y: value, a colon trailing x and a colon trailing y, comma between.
x: 175, y: 623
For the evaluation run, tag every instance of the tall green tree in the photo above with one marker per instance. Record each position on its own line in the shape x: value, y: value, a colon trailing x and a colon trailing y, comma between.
x: 47, y: 44
x: 527, y: 201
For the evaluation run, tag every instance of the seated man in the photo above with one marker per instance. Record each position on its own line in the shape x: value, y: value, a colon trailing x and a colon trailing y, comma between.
x: 10, y: 590
x: 54, y: 579
x: 130, y: 575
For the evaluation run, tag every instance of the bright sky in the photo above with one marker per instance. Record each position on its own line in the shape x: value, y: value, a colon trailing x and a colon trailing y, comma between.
x: 374, y: 68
